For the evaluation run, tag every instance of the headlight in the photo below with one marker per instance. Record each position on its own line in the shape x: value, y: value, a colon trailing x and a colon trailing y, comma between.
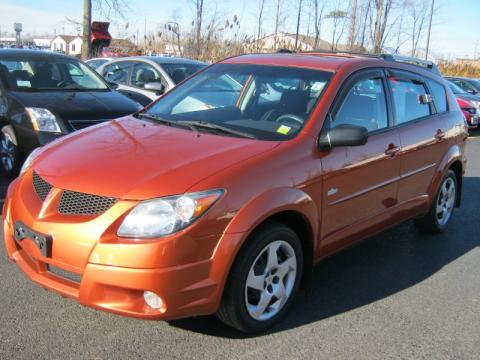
x: 43, y: 120
x: 165, y: 216
x: 29, y: 160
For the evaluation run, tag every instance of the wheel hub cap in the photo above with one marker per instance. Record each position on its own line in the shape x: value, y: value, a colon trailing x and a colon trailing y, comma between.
x: 270, y: 280
x: 446, y: 201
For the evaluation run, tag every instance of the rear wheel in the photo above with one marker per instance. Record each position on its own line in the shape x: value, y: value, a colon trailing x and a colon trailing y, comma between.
x: 10, y: 154
x: 264, y: 279
x: 440, y: 214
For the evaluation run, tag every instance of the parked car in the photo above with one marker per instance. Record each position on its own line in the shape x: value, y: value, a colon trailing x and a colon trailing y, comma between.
x: 471, y: 86
x: 462, y: 94
x: 95, y: 63
x: 220, y: 198
x: 470, y: 112
x: 145, y: 78
x: 45, y: 95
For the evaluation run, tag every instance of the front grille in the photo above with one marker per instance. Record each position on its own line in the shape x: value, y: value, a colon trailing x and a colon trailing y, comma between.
x: 64, y: 274
x: 42, y: 188
x: 82, y: 124
x: 75, y: 203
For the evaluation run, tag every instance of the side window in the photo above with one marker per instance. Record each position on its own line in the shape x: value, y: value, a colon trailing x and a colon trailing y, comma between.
x: 439, y: 96
x: 143, y: 74
x: 408, y: 99
x: 364, y: 105
x: 117, y: 72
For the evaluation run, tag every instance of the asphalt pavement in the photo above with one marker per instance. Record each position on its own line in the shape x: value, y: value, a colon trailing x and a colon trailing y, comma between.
x: 397, y: 295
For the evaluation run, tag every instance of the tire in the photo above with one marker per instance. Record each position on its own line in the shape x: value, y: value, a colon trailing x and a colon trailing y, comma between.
x: 10, y: 155
x: 242, y: 305
x: 440, y: 213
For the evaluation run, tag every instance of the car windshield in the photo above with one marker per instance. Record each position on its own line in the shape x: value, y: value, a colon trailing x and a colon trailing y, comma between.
x: 455, y: 88
x: 50, y: 74
x: 265, y: 102
x: 179, y: 72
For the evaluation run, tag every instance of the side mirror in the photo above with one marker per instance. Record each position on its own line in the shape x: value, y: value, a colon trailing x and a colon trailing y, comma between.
x: 113, y: 85
x: 156, y: 86
x: 343, y: 135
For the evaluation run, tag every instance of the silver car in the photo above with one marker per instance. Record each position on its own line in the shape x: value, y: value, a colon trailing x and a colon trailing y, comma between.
x: 145, y: 78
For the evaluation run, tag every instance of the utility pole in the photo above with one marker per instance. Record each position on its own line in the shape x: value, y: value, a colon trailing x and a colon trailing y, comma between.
x: 145, y: 38
x: 429, y: 30
x: 87, y: 24
x: 298, y: 23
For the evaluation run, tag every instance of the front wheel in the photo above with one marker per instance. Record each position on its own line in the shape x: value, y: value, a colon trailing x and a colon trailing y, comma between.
x: 441, y: 211
x: 264, y: 279
x: 10, y: 154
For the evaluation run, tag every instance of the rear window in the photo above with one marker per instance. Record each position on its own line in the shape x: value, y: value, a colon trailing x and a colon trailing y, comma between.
x: 407, y: 99
x: 439, y: 96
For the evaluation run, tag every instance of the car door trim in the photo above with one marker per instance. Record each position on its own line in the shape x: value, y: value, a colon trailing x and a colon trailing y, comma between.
x: 416, y: 171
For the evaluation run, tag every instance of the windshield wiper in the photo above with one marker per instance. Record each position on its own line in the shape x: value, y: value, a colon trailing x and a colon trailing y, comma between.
x: 216, y: 127
x: 163, y: 121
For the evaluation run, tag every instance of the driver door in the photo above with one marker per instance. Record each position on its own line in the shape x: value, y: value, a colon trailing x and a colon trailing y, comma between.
x: 360, y: 182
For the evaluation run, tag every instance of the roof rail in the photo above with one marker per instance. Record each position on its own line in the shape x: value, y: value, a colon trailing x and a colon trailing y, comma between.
x: 430, y: 65
x: 387, y: 57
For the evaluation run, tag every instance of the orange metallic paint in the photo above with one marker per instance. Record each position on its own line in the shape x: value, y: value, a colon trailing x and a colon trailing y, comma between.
x: 133, y: 160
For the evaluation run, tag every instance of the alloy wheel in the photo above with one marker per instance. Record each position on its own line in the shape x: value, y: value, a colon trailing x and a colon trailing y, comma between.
x: 270, y: 280
x: 7, y: 152
x: 446, y: 201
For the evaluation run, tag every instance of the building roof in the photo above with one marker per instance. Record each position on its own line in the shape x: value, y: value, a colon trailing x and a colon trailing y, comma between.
x: 67, y: 38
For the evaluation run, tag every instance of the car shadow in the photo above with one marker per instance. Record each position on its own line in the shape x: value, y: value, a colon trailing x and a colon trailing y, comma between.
x: 375, y: 269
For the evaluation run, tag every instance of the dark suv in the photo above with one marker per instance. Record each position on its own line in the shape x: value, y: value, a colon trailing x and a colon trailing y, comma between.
x: 45, y: 95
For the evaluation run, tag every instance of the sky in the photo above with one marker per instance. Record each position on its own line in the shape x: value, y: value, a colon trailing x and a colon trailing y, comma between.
x: 455, y: 30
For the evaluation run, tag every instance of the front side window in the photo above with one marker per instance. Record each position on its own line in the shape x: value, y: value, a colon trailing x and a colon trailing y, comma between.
x: 409, y: 99
x: 117, y: 72
x: 50, y: 75
x: 143, y: 74
x: 364, y: 105
x: 267, y: 102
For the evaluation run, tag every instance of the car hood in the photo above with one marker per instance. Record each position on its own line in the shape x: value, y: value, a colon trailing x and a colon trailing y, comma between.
x: 80, y: 105
x: 135, y: 159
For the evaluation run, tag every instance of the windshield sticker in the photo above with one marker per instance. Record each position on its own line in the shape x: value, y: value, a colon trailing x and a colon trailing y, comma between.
x: 284, y: 129
x: 24, y: 83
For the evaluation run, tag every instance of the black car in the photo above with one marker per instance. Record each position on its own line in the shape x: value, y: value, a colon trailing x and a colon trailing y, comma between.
x: 45, y: 95
x: 472, y: 86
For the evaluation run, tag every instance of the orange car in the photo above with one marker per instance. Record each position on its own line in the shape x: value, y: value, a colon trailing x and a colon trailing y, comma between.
x: 222, y: 195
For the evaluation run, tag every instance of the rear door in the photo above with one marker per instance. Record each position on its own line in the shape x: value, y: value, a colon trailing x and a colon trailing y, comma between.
x: 360, y: 182
x: 422, y: 130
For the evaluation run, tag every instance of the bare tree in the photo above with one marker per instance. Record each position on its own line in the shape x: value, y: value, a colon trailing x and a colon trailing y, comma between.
x: 364, y: 16
x: 261, y: 7
x: 382, y: 8
x: 298, y: 22
x: 87, y: 23
x: 318, y: 20
x: 418, y: 12
x: 279, y: 17
x: 352, y: 35
x: 338, y: 26
x: 198, y: 25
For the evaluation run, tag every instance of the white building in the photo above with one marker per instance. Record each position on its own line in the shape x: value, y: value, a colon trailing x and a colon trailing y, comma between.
x: 43, y: 42
x: 71, y: 45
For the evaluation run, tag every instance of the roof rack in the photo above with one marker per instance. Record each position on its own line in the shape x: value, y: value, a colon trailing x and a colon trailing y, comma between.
x: 429, y: 65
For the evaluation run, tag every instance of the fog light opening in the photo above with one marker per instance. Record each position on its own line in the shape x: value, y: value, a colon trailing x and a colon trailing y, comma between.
x: 153, y: 300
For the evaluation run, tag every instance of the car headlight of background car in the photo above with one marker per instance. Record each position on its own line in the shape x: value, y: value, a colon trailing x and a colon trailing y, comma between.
x: 29, y: 160
x: 165, y: 216
x: 476, y: 104
x: 43, y: 120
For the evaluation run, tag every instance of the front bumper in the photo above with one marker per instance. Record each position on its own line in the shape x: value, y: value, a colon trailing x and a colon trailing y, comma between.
x: 187, y: 289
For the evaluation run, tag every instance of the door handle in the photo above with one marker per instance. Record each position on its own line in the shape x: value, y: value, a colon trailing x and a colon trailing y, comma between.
x: 392, y: 150
x: 440, y: 135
